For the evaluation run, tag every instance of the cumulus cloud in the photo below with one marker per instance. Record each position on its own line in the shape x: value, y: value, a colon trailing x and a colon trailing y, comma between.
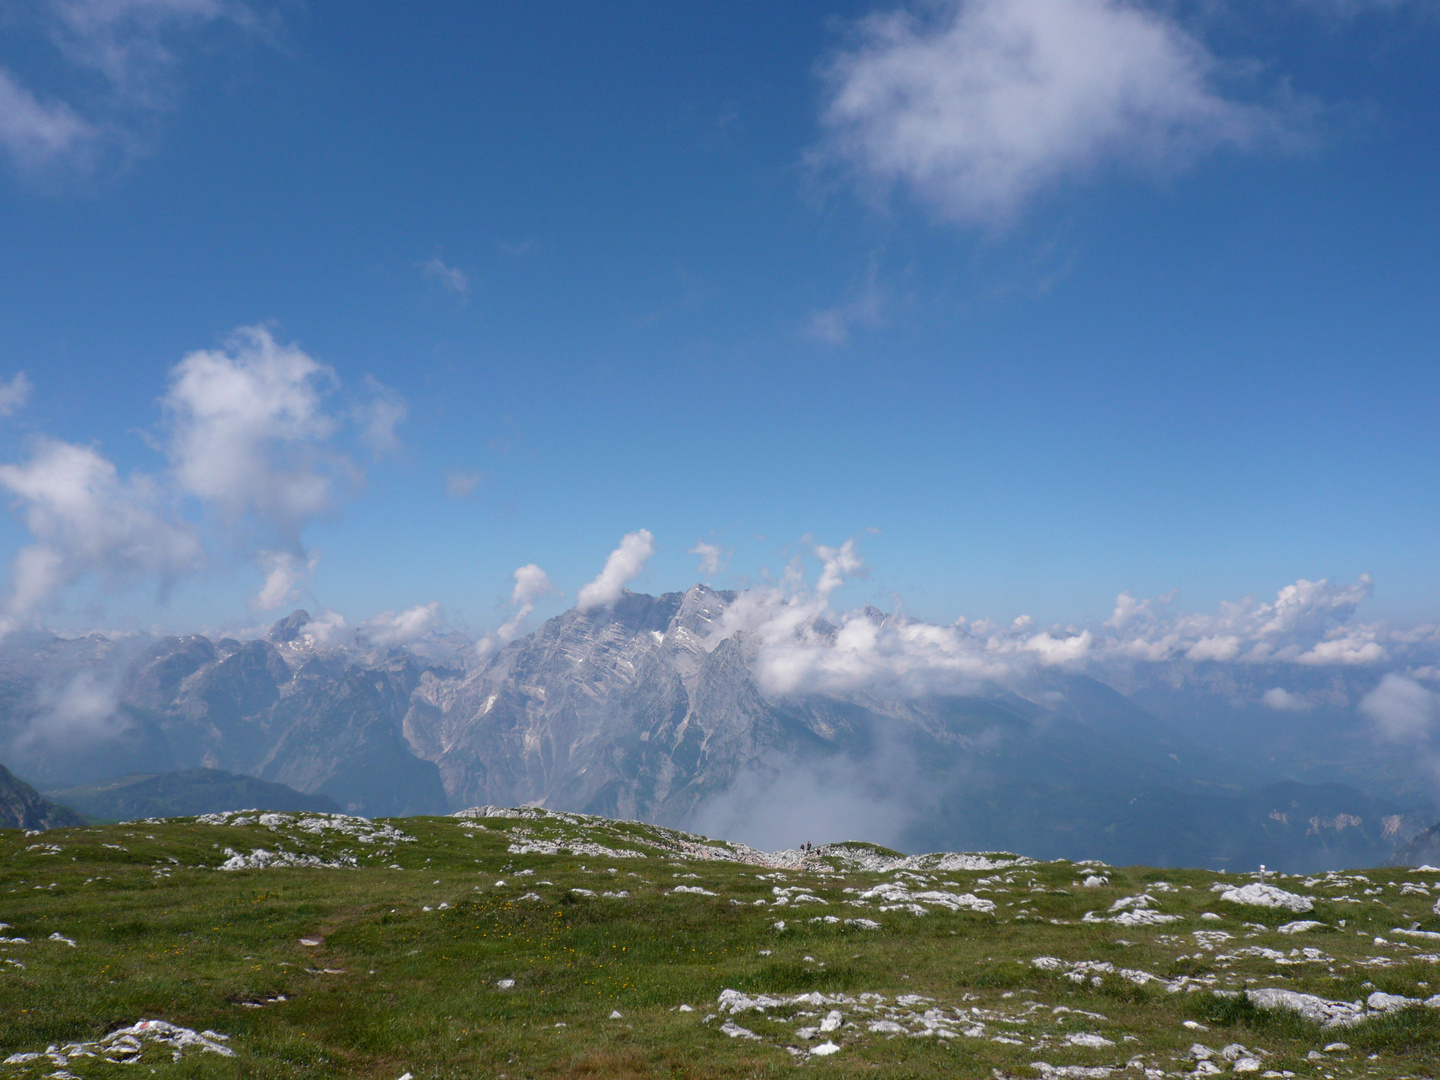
x: 249, y: 437
x: 712, y: 558
x: 1308, y: 623
x: 978, y: 106
x: 248, y: 426
x: 450, y: 278
x: 85, y: 518
x: 285, y: 575
x: 15, y: 394
x: 799, y: 642
x: 532, y: 584
x: 407, y: 627
x: 622, y: 567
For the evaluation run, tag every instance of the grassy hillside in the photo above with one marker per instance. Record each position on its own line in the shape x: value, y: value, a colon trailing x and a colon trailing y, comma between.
x: 549, y: 945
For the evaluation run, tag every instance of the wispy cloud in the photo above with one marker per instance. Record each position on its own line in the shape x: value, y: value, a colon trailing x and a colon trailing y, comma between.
x: 119, y: 64
x: 285, y: 575
x: 450, y: 278
x: 1402, y: 710
x: 519, y: 249
x: 461, y: 483
x: 35, y: 134
x: 866, y: 309
x: 532, y: 585
x: 977, y: 107
x: 712, y: 558
x: 15, y: 394
x: 85, y: 709
x: 382, y: 411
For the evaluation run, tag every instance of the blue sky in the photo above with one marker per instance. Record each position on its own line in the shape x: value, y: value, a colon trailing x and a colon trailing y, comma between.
x: 1142, y: 298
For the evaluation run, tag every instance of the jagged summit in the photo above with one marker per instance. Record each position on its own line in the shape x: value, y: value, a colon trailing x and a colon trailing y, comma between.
x: 288, y: 629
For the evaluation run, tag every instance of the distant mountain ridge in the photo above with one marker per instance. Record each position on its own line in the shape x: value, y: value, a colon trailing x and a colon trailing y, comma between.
x: 644, y: 710
x: 185, y: 793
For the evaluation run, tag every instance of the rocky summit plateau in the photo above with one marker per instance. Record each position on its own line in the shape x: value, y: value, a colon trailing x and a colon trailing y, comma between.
x: 655, y: 708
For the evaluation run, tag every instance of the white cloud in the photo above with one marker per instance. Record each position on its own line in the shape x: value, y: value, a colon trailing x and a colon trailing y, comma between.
x: 450, y: 278
x: 14, y: 394
x: 979, y: 106
x: 836, y: 564
x: 1401, y: 709
x: 532, y: 584
x: 1282, y: 700
x: 131, y: 42
x: 461, y: 483
x: 84, y: 519
x: 1309, y: 623
x: 1220, y: 647
x: 622, y: 567
x: 248, y: 436
x: 712, y: 558
x: 1060, y: 650
x: 286, y: 573
x: 409, y: 626
x: 248, y: 431
x: 799, y: 643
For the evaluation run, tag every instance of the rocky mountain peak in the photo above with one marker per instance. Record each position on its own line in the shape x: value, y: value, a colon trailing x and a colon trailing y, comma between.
x: 288, y: 628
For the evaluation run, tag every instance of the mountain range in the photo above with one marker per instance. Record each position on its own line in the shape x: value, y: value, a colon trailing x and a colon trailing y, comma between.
x: 184, y: 793
x: 650, y: 709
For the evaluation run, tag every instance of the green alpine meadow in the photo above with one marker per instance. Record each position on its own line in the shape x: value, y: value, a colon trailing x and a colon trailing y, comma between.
x: 526, y: 943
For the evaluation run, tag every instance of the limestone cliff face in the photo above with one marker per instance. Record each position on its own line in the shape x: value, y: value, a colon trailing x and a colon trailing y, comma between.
x: 21, y: 807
